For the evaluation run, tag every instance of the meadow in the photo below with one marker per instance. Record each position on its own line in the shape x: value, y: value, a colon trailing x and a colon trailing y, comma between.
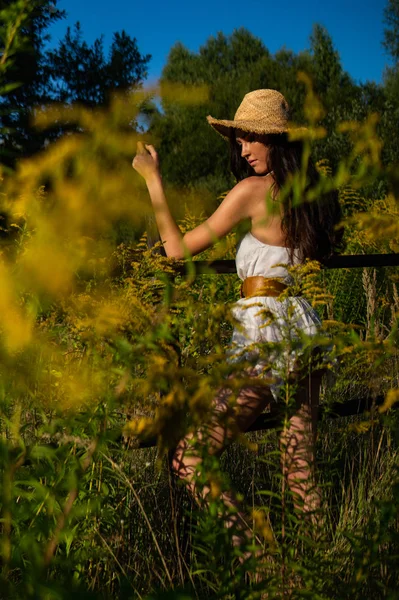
x: 104, y: 345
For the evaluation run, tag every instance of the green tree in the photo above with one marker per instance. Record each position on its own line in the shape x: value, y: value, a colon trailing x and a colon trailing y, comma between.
x: 341, y: 97
x: 390, y: 115
x: 81, y: 73
x: 74, y: 71
x: 391, y: 32
x: 27, y: 70
x: 326, y: 64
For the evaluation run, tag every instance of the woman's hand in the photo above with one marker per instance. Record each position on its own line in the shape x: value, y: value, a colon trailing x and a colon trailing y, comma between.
x: 146, y: 161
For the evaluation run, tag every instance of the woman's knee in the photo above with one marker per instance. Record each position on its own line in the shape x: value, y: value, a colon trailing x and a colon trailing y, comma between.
x: 176, y: 463
x: 184, y: 461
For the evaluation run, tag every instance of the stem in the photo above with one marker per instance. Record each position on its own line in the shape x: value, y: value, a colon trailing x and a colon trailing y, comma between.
x: 13, y: 34
x: 137, y: 498
x: 62, y: 519
x: 7, y: 515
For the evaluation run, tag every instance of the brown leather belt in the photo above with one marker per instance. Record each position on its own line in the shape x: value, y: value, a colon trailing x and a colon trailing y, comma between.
x: 261, y: 286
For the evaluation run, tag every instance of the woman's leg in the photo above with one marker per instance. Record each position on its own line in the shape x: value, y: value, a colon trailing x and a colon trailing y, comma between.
x: 297, y: 442
x: 226, y: 421
x: 298, y: 446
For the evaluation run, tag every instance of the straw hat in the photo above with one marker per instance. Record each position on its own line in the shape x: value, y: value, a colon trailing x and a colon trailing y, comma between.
x: 261, y: 111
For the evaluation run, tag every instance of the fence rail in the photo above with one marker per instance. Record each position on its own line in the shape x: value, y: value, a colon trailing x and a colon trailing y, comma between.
x: 343, y: 261
x: 272, y: 419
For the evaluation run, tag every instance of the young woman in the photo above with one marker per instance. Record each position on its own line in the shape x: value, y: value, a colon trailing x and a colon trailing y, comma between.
x: 282, y: 232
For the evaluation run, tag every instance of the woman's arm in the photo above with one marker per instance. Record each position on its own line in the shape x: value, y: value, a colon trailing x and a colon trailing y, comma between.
x: 234, y: 208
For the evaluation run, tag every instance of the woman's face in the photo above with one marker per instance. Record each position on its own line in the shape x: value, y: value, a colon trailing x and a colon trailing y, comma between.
x: 255, y: 153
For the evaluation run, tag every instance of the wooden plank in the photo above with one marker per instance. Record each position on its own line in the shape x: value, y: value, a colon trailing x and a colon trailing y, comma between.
x: 343, y: 261
x: 355, y: 406
x: 273, y: 419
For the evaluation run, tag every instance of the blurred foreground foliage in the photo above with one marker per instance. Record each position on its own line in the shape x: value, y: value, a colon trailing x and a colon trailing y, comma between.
x: 103, y: 345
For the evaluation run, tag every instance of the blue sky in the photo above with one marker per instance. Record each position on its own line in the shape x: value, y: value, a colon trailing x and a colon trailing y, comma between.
x: 356, y: 26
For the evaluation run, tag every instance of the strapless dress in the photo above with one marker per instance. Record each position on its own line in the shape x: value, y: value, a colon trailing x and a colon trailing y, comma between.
x: 270, y: 333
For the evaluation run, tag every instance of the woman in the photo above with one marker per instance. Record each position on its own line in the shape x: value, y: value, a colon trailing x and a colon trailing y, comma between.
x: 263, y: 159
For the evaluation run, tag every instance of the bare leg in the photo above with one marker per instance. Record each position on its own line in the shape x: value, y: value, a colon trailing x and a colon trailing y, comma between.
x: 226, y: 421
x: 297, y: 443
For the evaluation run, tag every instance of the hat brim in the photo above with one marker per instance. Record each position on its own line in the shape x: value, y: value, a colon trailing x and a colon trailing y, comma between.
x: 224, y: 127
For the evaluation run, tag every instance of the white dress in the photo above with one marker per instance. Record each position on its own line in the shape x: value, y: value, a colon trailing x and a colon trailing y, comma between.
x: 269, y: 333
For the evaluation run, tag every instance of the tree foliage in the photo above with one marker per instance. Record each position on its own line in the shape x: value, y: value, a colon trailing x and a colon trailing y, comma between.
x: 81, y: 73
x: 390, y: 112
x: 27, y: 71
x: 391, y: 32
x: 72, y: 72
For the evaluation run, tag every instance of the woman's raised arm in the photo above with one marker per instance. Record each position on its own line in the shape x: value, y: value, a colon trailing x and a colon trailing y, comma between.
x: 234, y: 208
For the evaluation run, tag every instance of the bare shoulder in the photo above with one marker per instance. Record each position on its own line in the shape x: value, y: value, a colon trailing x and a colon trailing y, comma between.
x: 254, y: 184
x: 254, y: 188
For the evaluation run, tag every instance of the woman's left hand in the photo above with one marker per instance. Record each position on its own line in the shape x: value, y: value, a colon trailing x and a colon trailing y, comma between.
x: 146, y: 161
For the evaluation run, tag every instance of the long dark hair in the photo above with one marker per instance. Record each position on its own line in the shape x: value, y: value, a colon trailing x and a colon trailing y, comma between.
x: 310, y: 227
